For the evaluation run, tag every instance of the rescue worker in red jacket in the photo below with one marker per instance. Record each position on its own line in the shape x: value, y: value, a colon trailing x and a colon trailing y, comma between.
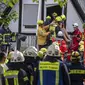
x: 76, y: 37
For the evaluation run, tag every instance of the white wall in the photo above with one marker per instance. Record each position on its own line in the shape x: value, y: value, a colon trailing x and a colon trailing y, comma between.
x: 72, y: 17
x: 14, y: 25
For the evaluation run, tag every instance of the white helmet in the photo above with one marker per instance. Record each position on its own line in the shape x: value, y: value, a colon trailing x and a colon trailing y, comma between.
x: 16, y: 56
x: 60, y: 34
x: 53, y: 50
x: 75, y: 25
x: 30, y: 51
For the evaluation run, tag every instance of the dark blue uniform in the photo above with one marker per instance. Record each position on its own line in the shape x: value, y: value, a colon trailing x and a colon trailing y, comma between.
x: 77, y: 73
x: 52, y: 72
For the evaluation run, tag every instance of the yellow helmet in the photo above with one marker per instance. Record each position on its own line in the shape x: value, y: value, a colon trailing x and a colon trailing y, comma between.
x: 55, y: 14
x: 81, y: 48
x: 58, y: 19
x: 40, y: 54
x: 81, y: 43
x: 75, y: 55
x: 63, y: 17
x: 40, y: 22
x: 44, y: 50
x: 48, y: 17
x: 82, y: 36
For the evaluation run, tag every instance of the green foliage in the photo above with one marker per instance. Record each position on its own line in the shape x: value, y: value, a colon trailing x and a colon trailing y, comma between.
x: 60, y: 2
x: 12, y: 16
x: 84, y: 26
x: 35, y: 1
x: 55, y: 0
x: 9, y: 3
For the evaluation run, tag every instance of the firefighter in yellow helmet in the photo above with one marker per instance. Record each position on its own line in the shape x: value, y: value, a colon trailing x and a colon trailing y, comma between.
x: 81, y: 50
x: 42, y: 53
x: 54, y: 15
x: 48, y: 20
x: 81, y: 46
x: 58, y: 19
x: 44, y: 50
x: 75, y: 55
x: 48, y: 17
x: 63, y: 17
x: 52, y: 29
x: 42, y: 34
x: 76, y: 70
x: 63, y: 20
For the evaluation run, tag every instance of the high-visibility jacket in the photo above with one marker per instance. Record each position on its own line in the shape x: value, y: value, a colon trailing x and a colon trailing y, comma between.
x: 41, y: 36
x: 53, y: 33
x: 15, y: 77
x: 13, y: 37
x: 52, y: 73
x: 11, y: 75
x: 6, y: 39
x: 77, y: 73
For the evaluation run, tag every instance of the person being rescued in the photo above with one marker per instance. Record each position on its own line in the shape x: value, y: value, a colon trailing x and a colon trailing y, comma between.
x: 58, y: 27
x: 64, y: 27
x: 42, y: 34
x: 76, y: 37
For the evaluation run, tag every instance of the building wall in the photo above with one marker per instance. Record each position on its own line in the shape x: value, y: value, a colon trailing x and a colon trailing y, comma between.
x: 14, y: 25
x: 72, y: 17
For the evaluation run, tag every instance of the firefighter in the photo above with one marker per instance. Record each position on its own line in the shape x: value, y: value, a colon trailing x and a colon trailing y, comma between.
x: 40, y: 56
x: 48, y: 21
x: 16, y: 74
x: 81, y: 50
x: 44, y: 50
x: 76, y: 70
x: 81, y: 46
x: 63, y: 20
x: 32, y: 56
x: 54, y: 15
x: 51, y: 71
x: 42, y: 34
